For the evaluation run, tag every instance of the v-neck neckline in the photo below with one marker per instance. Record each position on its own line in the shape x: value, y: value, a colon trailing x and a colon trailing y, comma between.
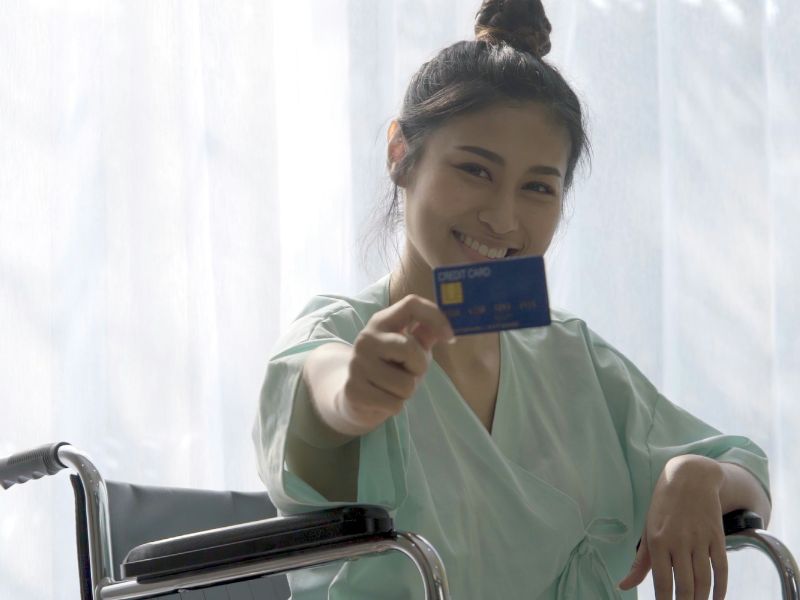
x: 500, y: 409
x: 506, y: 353
x: 499, y: 402
x: 498, y: 405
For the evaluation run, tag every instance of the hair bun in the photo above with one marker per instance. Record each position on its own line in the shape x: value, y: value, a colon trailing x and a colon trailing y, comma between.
x: 520, y: 23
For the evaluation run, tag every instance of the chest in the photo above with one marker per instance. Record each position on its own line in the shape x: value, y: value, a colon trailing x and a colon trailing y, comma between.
x: 477, y: 383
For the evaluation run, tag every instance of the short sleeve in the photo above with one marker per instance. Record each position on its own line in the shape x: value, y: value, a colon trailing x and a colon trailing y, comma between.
x: 382, y: 458
x: 652, y: 430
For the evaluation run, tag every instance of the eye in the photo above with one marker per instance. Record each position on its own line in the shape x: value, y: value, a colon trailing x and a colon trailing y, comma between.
x: 474, y: 169
x: 545, y: 189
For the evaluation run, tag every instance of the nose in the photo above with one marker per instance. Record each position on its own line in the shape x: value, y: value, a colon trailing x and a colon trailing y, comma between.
x: 500, y: 214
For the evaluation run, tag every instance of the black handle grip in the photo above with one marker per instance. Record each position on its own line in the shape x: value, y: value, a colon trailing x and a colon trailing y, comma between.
x: 31, y: 464
x: 739, y: 520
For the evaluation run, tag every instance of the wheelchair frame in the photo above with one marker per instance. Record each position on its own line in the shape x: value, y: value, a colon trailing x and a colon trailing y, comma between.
x: 49, y: 459
x: 742, y: 529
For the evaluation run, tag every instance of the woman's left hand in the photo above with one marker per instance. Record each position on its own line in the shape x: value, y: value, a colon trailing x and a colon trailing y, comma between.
x: 683, y: 531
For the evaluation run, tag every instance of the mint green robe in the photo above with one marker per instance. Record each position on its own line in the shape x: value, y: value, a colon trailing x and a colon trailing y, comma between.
x: 550, y: 505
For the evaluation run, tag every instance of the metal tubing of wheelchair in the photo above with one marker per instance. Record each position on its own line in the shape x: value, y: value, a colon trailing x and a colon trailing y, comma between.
x: 778, y: 553
x: 97, y: 523
x: 415, y: 547
x: 428, y: 561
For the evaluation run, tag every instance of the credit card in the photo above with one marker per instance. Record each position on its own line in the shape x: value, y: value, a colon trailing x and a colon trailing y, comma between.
x: 508, y: 293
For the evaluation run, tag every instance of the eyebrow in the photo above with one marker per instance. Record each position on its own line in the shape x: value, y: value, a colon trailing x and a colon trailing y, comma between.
x: 496, y: 158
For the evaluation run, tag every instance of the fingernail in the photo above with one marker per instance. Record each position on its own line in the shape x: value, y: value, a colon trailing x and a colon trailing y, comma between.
x: 452, y: 340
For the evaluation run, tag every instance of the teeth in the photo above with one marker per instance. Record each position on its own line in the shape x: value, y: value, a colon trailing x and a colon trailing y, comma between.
x: 481, y: 248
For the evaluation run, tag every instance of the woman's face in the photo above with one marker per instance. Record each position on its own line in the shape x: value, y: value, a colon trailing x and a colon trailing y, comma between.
x: 495, y: 176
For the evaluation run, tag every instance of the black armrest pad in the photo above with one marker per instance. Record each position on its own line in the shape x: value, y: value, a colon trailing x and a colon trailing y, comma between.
x: 258, y: 539
x: 739, y: 520
x: 283, y: 535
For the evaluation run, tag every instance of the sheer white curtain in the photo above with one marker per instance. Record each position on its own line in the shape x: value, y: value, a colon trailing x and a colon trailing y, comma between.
x: 177, y: 179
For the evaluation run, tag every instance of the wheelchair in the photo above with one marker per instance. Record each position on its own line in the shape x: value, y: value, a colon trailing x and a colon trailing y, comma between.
x: 188, y: 544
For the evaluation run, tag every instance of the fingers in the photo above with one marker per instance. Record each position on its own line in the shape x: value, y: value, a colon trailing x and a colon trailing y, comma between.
x: 662, y: 571
x: 388, y: 361
x: 375, y: 348
x: 719, y: 562
x: 394, y: 367
x: 684, y: 577
x: 413, y: 309
x: 702, y: 575
x: 692, y: 573
x: 640, y: 567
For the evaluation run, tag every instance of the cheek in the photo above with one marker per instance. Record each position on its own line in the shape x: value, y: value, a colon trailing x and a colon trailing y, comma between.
x: 541, y: 223
x: 542, y: 215
x: 458, y: 205
x: 442, y: 200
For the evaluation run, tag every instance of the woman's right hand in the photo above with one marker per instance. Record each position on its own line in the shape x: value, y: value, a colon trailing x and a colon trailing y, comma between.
x: 390, y: 356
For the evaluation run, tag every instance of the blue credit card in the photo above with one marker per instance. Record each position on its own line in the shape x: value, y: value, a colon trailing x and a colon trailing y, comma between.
x: 508, y: 293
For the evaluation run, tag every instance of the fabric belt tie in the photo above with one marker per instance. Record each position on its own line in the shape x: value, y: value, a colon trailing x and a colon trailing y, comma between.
x: 586, y: 574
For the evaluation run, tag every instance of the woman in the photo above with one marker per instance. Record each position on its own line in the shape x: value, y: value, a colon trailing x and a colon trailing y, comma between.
x: 534, y: 460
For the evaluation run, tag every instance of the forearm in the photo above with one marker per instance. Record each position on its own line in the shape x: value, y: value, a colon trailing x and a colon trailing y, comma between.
x: 324, y: 458
x: 316, y: 419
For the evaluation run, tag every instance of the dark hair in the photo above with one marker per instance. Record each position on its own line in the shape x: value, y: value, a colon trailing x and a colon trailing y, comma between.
x: 503, y: 65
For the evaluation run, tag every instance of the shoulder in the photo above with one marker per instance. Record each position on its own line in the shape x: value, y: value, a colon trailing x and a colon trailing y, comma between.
x: 623, y: 383
x: 563, y: 322
x: 330, y: 317
x: 573, y: 344
x: 566, y: 332
x: 568, y: 325
x: 578, y: 359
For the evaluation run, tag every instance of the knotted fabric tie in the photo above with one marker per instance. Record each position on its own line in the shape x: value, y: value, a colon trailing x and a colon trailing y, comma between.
x: 586, y: 574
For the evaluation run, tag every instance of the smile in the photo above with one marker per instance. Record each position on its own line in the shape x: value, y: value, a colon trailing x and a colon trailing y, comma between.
x: 483, y: 249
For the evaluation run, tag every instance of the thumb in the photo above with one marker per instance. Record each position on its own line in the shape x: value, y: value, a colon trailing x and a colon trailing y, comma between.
x: 640, y: 568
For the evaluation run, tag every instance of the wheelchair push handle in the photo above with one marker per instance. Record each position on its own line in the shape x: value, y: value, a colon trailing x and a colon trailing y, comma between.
x: 31, y: 464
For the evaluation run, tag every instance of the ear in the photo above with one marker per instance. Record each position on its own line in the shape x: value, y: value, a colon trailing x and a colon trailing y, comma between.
x: 396, y: 150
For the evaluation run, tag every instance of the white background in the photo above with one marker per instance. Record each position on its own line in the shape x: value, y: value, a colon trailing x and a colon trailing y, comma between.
x: 178, y: 178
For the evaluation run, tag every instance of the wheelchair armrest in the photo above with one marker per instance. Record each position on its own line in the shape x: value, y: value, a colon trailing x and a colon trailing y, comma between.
x: 284, y: 535
x: 258, y: 539
x: 739, y: 520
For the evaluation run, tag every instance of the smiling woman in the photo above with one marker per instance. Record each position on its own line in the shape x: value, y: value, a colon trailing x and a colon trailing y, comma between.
x: 177, y: 180
x: 500, y: 203
x: 536, y: 459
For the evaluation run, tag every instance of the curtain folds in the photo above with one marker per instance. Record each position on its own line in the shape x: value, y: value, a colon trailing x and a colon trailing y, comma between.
x: 177, y: 179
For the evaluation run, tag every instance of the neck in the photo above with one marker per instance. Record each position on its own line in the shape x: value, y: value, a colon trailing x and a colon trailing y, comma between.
x: 411, y: 277
x: 414, y: 276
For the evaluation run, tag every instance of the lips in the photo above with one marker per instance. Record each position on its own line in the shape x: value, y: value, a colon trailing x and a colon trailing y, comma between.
x: 477, y: 247
x: 473, y: 255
